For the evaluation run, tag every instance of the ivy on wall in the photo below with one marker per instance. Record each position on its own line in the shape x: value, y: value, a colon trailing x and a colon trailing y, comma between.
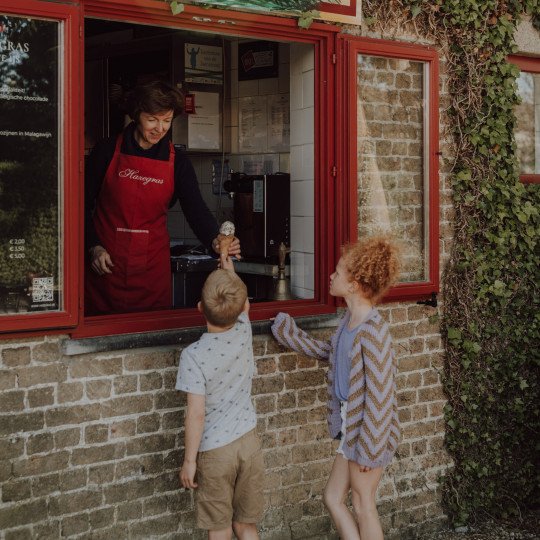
x: 491, y: 322
x: 491, y: 319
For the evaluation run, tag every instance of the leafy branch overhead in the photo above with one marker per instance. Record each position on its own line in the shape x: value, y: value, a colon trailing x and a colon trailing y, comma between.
x: 491, y: 300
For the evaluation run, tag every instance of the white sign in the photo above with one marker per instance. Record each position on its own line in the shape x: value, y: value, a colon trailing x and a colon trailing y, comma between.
x: 204, y: 126
x: 253, y: 124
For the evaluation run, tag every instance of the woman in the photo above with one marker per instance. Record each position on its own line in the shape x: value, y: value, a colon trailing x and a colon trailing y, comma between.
x: 131, y: 182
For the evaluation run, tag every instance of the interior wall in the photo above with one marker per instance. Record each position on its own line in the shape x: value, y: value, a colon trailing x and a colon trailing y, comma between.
x: 302, y: 170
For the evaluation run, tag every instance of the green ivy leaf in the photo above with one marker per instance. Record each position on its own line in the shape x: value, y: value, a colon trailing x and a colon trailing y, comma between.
x: 177, y: 7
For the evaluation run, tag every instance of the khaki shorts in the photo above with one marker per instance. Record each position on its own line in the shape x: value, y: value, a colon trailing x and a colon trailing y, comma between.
x: 230, y: 482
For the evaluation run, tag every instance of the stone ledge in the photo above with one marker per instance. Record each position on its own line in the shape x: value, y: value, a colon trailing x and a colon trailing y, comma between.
x: 182, y: 336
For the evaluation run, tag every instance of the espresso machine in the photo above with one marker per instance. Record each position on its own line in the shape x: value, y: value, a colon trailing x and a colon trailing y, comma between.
x: 261, y: 214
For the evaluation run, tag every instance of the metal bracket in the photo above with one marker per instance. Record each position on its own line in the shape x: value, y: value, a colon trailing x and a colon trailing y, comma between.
x: 431, y: 302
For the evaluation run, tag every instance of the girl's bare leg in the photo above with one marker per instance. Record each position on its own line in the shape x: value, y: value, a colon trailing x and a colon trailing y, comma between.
x: 364, y: 488
x: 335, y: 493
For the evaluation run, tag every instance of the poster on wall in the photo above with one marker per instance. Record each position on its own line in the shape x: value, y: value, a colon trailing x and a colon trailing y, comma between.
x: 279, y: 124
x: 30, y: 172
x: 258, y: 60
x: 204, y: 127
x: 203, y: 64
x: 252, y: 124
x: 345, y: 11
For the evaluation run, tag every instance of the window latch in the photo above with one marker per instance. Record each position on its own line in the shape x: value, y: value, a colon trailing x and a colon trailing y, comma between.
x: 431, y: 302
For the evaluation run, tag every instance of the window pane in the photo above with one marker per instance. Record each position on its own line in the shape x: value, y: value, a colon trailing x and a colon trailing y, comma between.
x: 30, y: 169
x: 248, y: 133
x: 528, y: 123
x: 391, y: 154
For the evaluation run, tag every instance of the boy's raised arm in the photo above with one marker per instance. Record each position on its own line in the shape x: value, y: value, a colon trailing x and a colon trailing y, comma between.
x: 193, y: 432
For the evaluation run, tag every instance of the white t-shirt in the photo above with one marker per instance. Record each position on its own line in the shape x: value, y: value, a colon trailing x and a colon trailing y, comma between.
x: 220, y: 366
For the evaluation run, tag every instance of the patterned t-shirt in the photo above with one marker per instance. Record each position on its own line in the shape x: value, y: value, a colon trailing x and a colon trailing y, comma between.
x: 220, y: 366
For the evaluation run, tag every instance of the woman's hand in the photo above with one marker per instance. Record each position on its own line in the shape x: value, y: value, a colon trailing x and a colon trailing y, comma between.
x: 234, y: 248
x: 101, y: 261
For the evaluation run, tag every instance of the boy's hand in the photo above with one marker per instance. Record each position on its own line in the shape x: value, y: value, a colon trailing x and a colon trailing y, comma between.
x: 226, y: 263
x: 187, y: 475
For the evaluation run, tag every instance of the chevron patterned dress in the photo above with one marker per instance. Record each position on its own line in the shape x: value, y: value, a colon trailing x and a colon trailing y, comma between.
x: 372, y: 429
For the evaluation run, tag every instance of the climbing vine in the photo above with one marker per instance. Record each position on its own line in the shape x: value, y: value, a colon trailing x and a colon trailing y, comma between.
x: 491, y: 322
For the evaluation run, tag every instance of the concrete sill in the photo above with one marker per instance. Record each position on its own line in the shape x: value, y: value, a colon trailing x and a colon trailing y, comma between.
x: 181, y: 336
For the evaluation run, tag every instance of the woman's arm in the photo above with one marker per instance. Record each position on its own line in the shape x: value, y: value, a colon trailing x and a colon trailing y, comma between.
x: 289, y: 335
x: 95, y: 169
x: 186, y: 190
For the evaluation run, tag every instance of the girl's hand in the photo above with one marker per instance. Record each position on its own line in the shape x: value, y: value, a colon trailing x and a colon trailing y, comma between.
x: 363, y: 468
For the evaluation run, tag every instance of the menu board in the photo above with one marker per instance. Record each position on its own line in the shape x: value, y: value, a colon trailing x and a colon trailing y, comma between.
x: 30, y: 171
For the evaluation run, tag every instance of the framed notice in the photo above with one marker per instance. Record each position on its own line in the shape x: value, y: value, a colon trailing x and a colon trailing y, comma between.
x: 252, y: 124
x: 258, y: 60
x: 31, y: 174
x: 204, y: 127
x: 203, y: 64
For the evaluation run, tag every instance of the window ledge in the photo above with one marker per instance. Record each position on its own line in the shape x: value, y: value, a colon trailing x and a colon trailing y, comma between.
x: 182, y: 336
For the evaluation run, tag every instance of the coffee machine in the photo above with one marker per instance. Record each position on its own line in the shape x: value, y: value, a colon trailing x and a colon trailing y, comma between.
x: 261, y: 213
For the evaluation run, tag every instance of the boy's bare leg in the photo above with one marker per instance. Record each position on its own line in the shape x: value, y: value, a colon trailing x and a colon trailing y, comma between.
x: 334, y: 496
x: 245, y: 531
x: 222, y: 534
x: 364, y: 487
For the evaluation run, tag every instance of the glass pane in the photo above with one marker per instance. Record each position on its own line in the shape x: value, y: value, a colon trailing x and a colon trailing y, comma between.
x: 528, y: 123
x: 30, y: 170
x: 391, y: 150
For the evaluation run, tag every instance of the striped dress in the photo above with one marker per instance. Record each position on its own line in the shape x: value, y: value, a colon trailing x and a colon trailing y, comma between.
x: 372, y: 429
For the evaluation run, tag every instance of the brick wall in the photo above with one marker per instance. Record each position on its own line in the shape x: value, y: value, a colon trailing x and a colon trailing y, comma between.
x: 91, y: 444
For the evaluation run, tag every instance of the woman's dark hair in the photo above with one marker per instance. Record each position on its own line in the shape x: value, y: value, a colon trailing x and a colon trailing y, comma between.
x: 154, y: 97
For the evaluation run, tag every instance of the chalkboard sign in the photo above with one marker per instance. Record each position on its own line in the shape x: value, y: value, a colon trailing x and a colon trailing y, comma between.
x: 30, y: 166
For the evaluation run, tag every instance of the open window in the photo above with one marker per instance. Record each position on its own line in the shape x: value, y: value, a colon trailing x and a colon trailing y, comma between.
x: 256, y: 105
x: 38, y: 166
x: 392, y: 110
x: 527, y: 130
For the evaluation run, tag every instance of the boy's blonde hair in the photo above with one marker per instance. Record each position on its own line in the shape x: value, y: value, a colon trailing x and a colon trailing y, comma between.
x: 373, y: 263
x: 223, y: 298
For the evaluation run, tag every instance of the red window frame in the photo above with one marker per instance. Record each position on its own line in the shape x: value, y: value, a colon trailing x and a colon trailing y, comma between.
x: 339, y: 8
x: 532, y: 65
x: 347, y: 193
x: 69, y: 15
x: 322, y: 36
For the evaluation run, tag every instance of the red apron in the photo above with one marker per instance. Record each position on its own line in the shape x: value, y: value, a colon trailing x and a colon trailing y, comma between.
x: 131, y: 222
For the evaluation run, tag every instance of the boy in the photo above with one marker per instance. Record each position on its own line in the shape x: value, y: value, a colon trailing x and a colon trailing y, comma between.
x: 221, y: 443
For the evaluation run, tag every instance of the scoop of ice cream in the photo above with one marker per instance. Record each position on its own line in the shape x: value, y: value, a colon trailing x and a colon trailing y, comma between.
x: 227, y: 228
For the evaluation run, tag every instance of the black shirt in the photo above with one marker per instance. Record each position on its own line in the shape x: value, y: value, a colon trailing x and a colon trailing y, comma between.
x: 186, y: 187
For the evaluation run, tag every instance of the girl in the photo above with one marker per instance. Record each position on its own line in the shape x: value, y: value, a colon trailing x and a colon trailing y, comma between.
x: 362, y: 405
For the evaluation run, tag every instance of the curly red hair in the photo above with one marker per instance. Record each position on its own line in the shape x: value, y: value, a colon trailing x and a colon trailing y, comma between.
x: 373, y: 263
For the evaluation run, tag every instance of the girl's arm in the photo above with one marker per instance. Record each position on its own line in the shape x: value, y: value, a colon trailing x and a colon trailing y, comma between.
x: 289, y: 335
